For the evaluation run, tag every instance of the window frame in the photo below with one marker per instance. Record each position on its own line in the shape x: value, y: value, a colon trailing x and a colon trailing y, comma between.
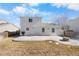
x: 43, y: 29
x: 30, y: 20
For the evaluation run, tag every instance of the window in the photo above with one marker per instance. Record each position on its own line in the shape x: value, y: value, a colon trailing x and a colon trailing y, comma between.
x: 27, y: 29
x: 43, y: 29
x: 30, y: 20
x: 53, y: 30
x: 23, y: 33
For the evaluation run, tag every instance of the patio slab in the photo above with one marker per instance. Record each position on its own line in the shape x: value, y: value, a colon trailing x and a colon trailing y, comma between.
x: 43, y: 38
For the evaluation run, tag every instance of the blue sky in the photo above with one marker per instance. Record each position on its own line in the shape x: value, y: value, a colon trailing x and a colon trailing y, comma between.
x: 48, y: 11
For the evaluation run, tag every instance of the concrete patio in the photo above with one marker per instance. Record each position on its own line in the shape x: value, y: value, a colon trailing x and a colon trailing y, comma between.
x: 73, y: 42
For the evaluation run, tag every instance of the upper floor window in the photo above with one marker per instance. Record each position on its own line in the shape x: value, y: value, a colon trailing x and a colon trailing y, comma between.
x: 30, y: 20
x: 43, y: 29
x: 53, y: 30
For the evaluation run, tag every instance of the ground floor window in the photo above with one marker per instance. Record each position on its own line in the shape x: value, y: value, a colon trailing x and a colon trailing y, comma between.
x: 53, y: 30
x: 23, y: 33
x: 43, y: 29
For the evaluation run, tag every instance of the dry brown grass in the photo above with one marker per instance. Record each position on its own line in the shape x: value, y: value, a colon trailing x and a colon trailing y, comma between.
x: 35, y: 48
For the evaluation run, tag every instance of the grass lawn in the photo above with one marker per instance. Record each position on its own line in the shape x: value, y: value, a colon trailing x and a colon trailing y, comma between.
x: 36, y: 48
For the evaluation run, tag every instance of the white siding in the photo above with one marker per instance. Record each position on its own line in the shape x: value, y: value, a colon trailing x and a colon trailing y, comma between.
x: 35, y: 27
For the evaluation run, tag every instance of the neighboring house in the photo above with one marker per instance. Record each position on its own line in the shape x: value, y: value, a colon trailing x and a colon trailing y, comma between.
x: 7, y: 27
x: 74, y: 25
x: 34, y: 26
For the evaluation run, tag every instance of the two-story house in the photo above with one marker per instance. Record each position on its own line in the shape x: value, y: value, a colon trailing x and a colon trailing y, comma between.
x: 34, y: 26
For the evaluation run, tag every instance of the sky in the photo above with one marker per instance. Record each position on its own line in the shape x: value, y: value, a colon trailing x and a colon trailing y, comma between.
x: 11, y: 12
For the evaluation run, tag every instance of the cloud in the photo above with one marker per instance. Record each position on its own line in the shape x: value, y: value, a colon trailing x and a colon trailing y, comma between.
x: 4, y: 12
x: 31, y: 4
x: 37, y: 12
x: 28, y: 10
x: 34, y: 11
x: 31, y: 11
x: 71, y: 6
x: 74, y: 7
x: 19, y: 9
x: 25, y: 10
x: 58, y: 5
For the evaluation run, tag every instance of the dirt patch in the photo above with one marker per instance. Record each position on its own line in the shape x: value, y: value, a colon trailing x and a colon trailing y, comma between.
x: 36, y: 48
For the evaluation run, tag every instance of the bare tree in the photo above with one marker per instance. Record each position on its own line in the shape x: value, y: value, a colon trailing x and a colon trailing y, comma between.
x: 62, y: 22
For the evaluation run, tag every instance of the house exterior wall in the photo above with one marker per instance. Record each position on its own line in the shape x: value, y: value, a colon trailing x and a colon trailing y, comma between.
x: 74, y: 25
x: 35, y: 27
